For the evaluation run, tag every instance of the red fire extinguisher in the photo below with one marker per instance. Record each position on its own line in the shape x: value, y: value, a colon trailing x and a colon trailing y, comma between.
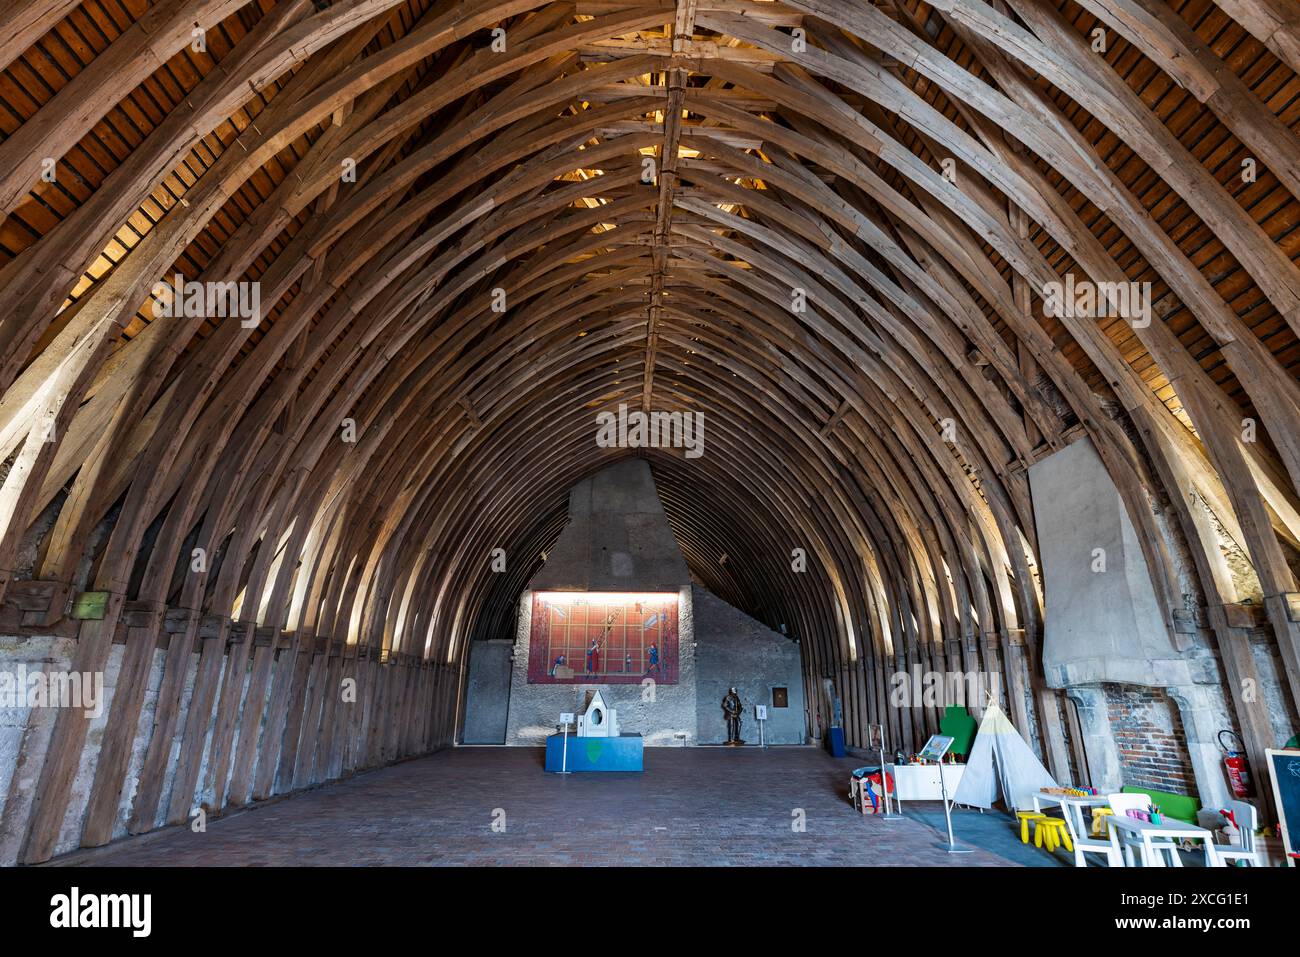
x: 1235, y: 762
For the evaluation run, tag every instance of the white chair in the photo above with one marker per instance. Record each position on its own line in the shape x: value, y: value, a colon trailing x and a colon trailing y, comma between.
x: 1121, y: 804
x: 1082, y: 839
x: 1247, y: 820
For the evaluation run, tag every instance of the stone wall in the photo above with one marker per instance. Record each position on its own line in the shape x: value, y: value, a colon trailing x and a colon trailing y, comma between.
x: 734, y: 649
x: 720, y: 646
x: 617, y: 540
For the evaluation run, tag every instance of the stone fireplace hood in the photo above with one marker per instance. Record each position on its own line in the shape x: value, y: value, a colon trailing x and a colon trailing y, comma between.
x: 1101, y: 626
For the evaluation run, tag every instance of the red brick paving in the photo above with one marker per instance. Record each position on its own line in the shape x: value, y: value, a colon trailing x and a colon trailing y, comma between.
x: 692, y: 806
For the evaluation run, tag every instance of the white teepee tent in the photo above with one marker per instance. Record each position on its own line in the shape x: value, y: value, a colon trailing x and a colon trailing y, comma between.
x: 1000, y: 762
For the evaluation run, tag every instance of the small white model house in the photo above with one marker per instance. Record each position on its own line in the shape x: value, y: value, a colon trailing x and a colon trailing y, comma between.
x: 599, y: 720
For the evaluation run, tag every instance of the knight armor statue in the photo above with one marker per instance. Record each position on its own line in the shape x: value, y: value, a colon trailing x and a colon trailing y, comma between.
x: 731, y: 710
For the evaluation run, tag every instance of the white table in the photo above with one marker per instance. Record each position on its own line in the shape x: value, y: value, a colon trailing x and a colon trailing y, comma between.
x: 920, y: 782
x: 1078, y: 800
x: 1146, y: 831
x: 1072, y: 806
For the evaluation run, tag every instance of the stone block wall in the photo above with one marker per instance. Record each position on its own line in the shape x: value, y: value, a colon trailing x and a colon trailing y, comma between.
x: 734, y: 649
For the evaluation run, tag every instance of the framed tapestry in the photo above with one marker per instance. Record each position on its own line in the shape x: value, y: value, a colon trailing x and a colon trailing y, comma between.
x: 602, y: 638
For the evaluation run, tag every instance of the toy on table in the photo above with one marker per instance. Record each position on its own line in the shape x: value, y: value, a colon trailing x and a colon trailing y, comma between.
x: 1070, y: 791
x: 1231, y: 830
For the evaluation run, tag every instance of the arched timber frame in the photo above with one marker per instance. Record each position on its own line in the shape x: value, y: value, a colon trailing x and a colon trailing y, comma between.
x: 827, y: 225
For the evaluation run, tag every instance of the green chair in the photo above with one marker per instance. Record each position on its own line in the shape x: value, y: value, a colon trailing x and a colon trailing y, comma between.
x: 1180, y: 807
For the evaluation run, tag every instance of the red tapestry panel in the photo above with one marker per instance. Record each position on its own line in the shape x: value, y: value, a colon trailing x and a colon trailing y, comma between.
x: 591, y: 638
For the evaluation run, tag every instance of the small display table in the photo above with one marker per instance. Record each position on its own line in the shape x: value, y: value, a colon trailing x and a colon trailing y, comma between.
x: 920, y: 782
x: 625, y: 752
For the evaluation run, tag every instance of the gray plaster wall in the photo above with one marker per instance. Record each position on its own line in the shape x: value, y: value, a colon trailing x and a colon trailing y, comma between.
x: 617, y: 539
x: 1099, y: 626
x: 658, y: 712
x: 487, y: 696
x: 733, y: 649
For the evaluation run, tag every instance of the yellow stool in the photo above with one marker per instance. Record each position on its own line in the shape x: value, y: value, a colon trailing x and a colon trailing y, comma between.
x: 1050, y: 832
x: 1099, y: 815
x: 1025, y: 818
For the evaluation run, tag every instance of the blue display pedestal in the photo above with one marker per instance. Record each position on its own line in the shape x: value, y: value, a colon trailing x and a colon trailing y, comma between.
x: 624, y: 753
x: 835, y: 742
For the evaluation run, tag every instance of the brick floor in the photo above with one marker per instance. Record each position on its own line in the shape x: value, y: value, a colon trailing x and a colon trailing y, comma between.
x: 692, y: 806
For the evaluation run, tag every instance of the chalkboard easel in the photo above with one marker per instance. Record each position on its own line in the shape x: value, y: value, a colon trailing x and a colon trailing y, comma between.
x: 1284, y: 769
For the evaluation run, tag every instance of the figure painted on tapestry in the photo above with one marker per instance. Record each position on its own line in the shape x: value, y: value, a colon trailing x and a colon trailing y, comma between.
x: 652, y: 659
x: 593, y: 657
